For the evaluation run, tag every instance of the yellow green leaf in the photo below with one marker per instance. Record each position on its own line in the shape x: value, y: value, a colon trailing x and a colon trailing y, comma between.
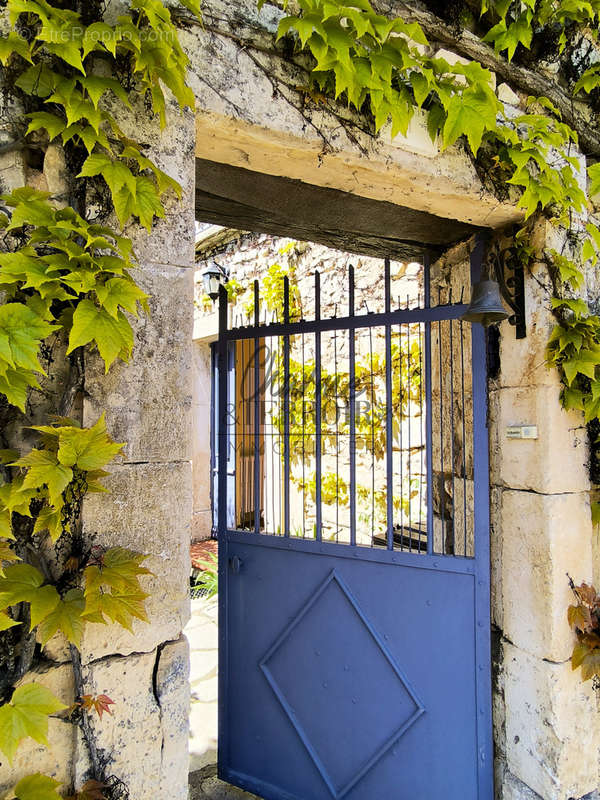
x: 88, y: 448
x: 119, y: 568
x: 7, y: 555
x: 65, y: 617
x: 44, y: 469
x: 26, y: 715
x: 113, y: 337
x: 37, y: 787
x: 7, y: 622
x: 24, y: 583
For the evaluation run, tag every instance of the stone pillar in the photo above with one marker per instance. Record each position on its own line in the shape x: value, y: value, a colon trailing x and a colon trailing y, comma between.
x: 149, y: 508
x: 547, y: 729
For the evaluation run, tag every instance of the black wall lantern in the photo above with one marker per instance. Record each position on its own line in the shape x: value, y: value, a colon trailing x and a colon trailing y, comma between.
x: 487, y: 294
x: 213, y: 277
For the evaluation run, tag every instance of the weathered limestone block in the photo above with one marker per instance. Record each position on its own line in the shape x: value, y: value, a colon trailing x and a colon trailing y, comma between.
x: 510, y: 788
x: 173, y: 692
x: 543, y: 538
x: 556, y: 460
x: 145, y: 741
x: 497, y: 606
x: 13, y: 170
x: 56, y: 761
x: 523, y: 361
x: 148, y: 510
x: 148, y: 401
x: 551, y: 723
x: 130, y: 740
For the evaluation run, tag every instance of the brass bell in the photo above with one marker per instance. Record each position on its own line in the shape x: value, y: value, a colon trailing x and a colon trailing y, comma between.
x: 486, y: 305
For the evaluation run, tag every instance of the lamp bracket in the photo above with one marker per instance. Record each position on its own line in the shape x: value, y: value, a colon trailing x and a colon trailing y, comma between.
x: 512, y: 288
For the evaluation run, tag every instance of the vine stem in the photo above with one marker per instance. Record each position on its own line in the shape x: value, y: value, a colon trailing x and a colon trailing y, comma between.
x: 86, y: 728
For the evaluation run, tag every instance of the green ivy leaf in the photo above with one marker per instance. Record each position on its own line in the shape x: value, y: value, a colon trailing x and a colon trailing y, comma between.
x: 147, y: 202
x: 21, y: 332
x: 50, y: 122
x: 39, y: 81
x: 113, y: 337
x: 7, y: 622
x: 24, y: 584
x: 470, y: 114
x: 66, y: 617
x: 120, y: 293
x: 50, y: 519
x: 96, y: 86
x: 14, y: 44
x: 7, y: 555
x: 87, y: 448
x: 594, y: 178
x: 44, y: 469
x: 26, y: 715
x: 37, y: 787
x: 119, y: 569
x: 120, y: 607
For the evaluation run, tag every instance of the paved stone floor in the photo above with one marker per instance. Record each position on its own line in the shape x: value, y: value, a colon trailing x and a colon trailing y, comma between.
x: 202, y: 634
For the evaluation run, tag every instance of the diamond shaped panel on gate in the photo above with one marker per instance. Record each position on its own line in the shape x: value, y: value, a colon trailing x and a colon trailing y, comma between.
x: 316, y: 668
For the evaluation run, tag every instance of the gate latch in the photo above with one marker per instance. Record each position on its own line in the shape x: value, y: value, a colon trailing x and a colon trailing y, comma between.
x: 235, y: 563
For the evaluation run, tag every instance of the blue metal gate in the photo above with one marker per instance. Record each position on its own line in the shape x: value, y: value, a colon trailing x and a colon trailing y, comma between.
x: 354, y: 552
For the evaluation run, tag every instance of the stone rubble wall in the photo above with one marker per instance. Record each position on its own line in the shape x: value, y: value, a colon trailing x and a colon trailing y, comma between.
x: 249, y: 257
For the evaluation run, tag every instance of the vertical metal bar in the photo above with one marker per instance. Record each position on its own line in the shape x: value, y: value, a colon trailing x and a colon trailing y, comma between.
x: 452, y: 466
x: 428, y: 408
x: 409, y: 412
x: 286, y: 409
x: 372, y: 436
x: 240, y: 446
x: 256, y: 412
x: 303, y: 441
x: 389, y: 453
x: 464, y: 436
x: 441, y: 423
x: 318, y: 445
x: 482, y: 544
x: 337, y: 440
x: 421, y: 417
x: 274, y: 419
x: 401, y: 426
x: 352, y: 401
x: 222, y: 349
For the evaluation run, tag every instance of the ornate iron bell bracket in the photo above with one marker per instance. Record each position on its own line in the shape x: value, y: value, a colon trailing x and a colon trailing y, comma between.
x: 512, y: 288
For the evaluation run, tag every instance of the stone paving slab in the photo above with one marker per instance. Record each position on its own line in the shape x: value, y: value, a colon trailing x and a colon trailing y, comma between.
x: 204, y: 785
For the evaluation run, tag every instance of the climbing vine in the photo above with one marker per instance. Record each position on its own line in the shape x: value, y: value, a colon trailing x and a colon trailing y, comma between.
x: 68, y: 286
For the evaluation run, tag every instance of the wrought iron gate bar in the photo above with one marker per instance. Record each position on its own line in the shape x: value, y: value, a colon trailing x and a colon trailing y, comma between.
x: 436, y: 563
x: 405, y: 461
x: 397, y: 317
x: 256, y: 412
x: 318, y: 419
x: 352, y: 405
x: 389, y: 453
x: 428, y: 408
x: 286, y: 407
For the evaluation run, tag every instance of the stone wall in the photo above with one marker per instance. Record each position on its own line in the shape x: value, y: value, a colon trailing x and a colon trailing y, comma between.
x: 546, y: 727
x: 148, y: 405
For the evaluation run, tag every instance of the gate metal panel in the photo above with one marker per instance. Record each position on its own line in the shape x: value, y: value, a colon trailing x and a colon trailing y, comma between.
x: 352, y: 671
